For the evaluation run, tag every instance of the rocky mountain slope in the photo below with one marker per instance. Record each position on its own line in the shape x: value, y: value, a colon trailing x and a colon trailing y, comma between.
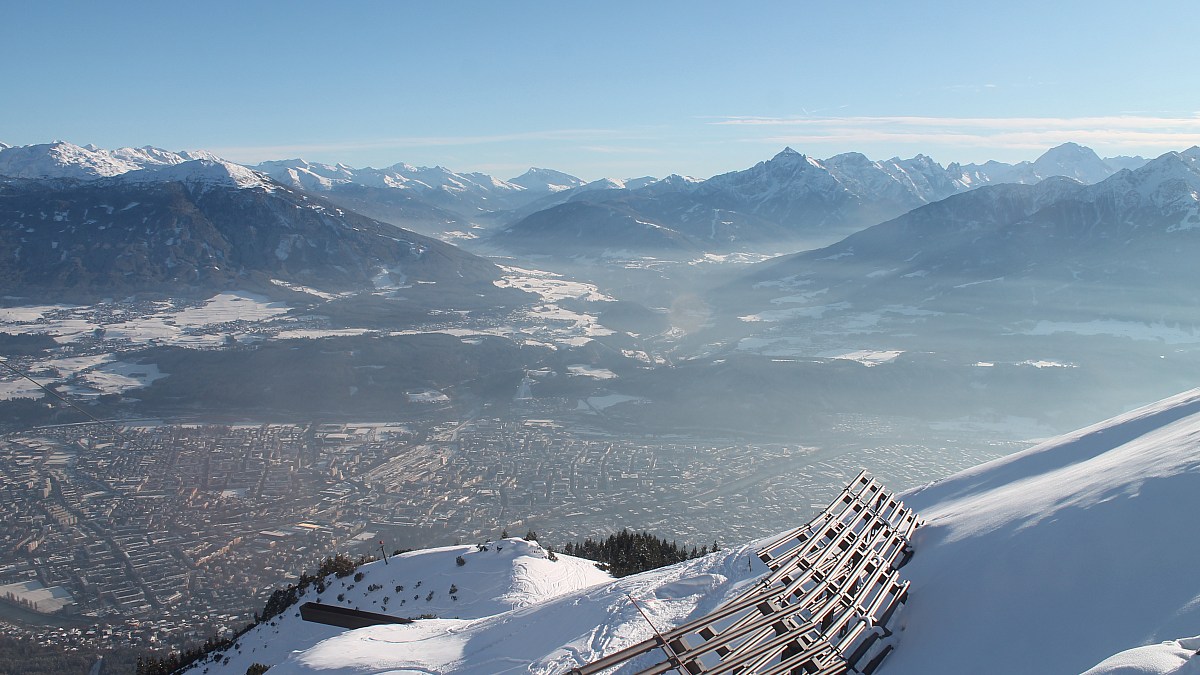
x: 789, y: 198
x: 202, y: 225
x: 1056, y: 249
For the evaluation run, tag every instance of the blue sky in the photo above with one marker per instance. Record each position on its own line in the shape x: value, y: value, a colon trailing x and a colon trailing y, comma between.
x: 598, y: 89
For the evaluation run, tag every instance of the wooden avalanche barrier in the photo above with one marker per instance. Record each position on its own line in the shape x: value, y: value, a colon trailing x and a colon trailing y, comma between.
x: 825, y: 608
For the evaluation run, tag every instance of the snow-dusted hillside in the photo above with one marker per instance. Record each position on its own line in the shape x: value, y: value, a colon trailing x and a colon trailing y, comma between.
x: 1077, y: 554
x: 501, y: 578
x: 1053, y: 559
x: 67, y: 160
x: 546, y: 180
x: 199, y: 174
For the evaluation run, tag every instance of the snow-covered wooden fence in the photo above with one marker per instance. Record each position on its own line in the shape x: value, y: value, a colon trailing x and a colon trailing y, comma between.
x: 825, y: 608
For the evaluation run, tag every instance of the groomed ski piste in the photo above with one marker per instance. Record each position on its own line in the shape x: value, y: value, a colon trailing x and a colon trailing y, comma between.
x: 1079, y: 555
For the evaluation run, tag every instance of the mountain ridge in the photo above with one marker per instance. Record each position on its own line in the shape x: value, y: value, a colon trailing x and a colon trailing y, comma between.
x: 792, y: 196
x: 776, y: 197
x: 204, y: 225
x: 1058, y: 230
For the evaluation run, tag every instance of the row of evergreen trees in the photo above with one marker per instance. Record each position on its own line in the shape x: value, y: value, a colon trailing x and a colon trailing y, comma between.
x: 176, y: 661
x: 626, y: 552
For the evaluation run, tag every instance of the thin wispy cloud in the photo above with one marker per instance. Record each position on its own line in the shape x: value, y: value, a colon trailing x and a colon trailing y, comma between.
x: 621, y: 149
x: 1132, y: 122
x: 401, y: 142
x: 1126, y: 131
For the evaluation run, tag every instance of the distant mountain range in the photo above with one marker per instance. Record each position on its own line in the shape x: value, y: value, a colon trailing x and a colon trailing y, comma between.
x: 111, y: 221
x: 81, y: 222
x: 790, y: 196
x: 69, y: 161
x: 1122, y: 248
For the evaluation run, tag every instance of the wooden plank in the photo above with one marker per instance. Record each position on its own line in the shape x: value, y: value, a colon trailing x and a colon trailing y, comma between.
x: 617, y: 657
x: 862, y: 625
x: 825, y: 552
x: 867, y: 559
x: 835, y: 666
x: 829, y: 604
x: 852, y: 610
x: 769, y: 649
x: 791, y: 589
x: 767, y: 622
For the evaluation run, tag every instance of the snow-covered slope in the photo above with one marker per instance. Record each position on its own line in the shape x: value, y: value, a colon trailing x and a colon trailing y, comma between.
x: 200, y: 173
x: 1073, y: 161
x: 1069, y: 159
x: 67, y: 160
x: 546, y: 180
x: 1053, y: 559
x: 1171, y: 657
x: 302, y: 175
x: 1078, y: 553
x: 464, y: 194
x: 497, y: 580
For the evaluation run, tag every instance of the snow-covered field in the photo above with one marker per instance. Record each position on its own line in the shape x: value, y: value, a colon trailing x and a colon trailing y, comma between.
x: 119, y: 327
x: 549, y: 322
x: 583, y: 370
x: 243, y: 317
x: 550, y: 286
x: 608, y: 401
x: 18, y: 388
x: 163, y: 322
x: 867, y: 357
x: 1079, y: 553
x: 1171, y: 335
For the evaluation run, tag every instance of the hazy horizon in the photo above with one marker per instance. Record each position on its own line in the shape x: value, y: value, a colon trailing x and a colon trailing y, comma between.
x: 619, y: 90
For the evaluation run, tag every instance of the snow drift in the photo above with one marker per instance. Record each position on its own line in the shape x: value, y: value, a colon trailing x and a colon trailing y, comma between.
x: 1052, y: 559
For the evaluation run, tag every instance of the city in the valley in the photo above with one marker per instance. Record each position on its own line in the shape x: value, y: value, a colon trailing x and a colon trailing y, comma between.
x: 149, y: 533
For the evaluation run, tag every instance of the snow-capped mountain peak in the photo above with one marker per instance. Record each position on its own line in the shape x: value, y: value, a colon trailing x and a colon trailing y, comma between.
x: 147, y: 156
x: 605, y: 184
x: 61, y: 159
x: 643, y: 181
x: 300, y: 174
x: 201, y: 173
x: 1170, y: 183
x: 546, y: 180
x: 789, y: 159
x: 1074, y: 161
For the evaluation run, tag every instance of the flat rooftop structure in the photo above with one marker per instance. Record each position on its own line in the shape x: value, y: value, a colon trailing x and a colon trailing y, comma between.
x: 344, y: 617
x: 37, y: 597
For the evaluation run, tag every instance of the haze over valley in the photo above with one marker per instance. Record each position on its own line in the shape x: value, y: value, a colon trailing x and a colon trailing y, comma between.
x: 426, y: 281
